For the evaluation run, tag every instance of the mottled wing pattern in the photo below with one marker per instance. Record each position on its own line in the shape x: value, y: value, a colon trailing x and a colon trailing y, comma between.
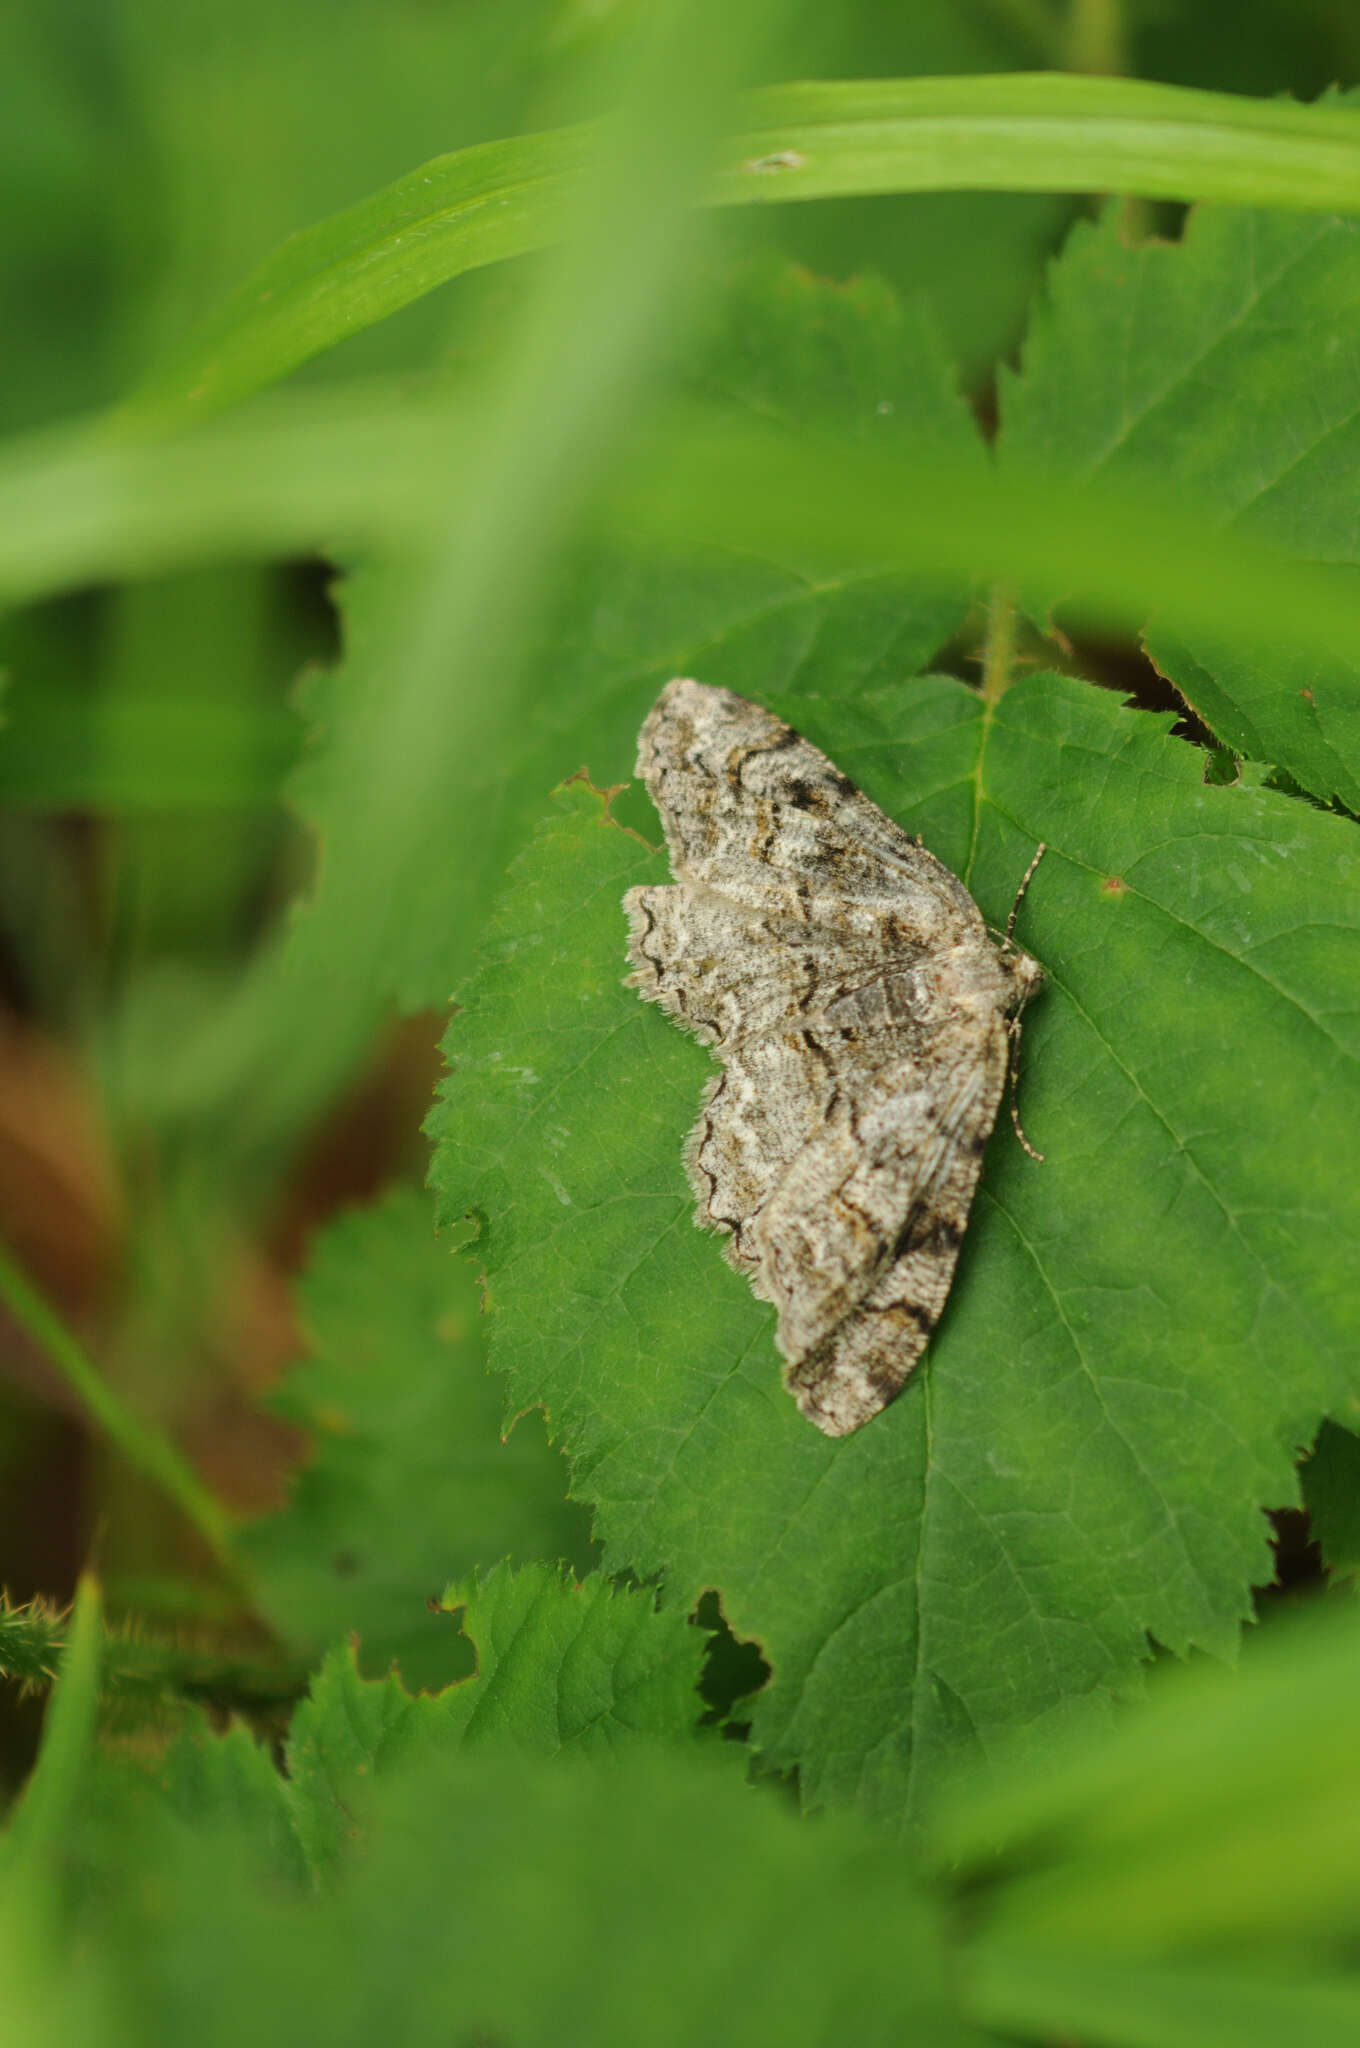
x: 859, y: 1008
x: 758, y: 813
x: 801, y: 1018
x: 861, y: 1360
x: 727, y: 972
x: 738, y: 980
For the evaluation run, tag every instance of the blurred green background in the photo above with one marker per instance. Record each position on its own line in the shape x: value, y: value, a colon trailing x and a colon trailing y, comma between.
x: 150, y: 155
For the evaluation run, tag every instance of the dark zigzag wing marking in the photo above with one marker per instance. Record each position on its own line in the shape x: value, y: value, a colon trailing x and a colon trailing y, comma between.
x: 758, y: 813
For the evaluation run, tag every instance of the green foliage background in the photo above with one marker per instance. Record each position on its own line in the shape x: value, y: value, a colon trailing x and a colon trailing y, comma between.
x: 478, y: 1644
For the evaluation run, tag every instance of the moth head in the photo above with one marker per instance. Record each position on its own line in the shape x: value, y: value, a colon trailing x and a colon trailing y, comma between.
x: 1023, y: 974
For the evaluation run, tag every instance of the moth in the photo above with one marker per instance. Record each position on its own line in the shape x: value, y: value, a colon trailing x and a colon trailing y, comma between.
x: 864, y: 1017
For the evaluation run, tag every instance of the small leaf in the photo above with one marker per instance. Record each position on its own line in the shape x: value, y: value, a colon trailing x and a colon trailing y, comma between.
x: 201, y: 1782
x: 347, y: 1729
x: 588, y: 1667
x: 560, y: 1665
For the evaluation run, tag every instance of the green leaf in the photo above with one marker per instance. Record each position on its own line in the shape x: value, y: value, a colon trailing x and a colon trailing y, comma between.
x: 812, y: 141
x: 1274, y: 702
x: 1140, y: 1332
x: 1331, y: 1494
x: 1140, y: 373
x: 1157, y: 1842
x: 225, y: 169
x: 202, y: 1780
x: 1127, y: 1890
x: 590, y: 1668
x: 700, y: 477
x: 410, y: 1479
x: 347, y: 1729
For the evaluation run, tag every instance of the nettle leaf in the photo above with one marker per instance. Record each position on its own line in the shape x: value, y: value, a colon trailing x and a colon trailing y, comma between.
x: 567, y: 1665
x: 410, y: 1480
x: 1223, y: 369
x: 1141, y: 1332
x: 841, y: 361
x: 200, y: 1781
x: 347, y: 1729
x: 589, y: 1667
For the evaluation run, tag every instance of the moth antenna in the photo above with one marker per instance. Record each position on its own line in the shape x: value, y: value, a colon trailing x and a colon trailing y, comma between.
x: 1025, y: 881
x: 1014, y: 1028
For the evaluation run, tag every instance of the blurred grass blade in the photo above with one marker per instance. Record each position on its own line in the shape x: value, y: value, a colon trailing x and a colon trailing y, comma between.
x: 1043, y: 132
x: 145, y: 1447
x: 44, y: 2000
x: 457, y: 212
x: 353, y: 466
x: 48, y: 1799
x: 1162, y: 1840
x: 1181, y: 2005
x: 702, y: 477
x: 1188, y: 1879
x: 369, y: 464
x: 1016, y: 132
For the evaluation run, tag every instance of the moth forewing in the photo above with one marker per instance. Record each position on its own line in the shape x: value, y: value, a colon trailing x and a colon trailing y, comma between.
x: 863, y: 1018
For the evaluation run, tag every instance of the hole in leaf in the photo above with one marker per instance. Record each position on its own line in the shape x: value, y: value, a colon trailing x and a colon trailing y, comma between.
x: 734, y: 1669
x: 1300, y: 1572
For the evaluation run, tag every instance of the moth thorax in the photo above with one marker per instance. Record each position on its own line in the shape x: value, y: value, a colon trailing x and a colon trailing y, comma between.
x: 977, y: 978
x: 1024, y: 974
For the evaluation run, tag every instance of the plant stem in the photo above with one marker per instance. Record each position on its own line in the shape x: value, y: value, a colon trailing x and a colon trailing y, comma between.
x: 141, y: 1443
x: 998, y: 655
x: 1097, y: 38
